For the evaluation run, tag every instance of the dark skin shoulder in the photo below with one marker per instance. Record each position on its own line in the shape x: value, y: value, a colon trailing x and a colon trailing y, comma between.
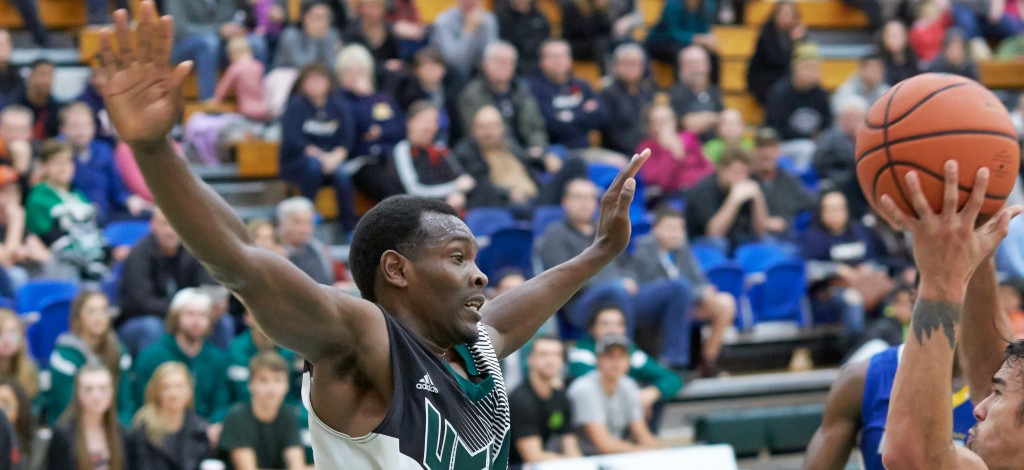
x: 832, y: 442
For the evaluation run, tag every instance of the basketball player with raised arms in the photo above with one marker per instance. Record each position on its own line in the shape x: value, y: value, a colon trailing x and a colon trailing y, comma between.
x: 948, y: 248
x: 406, y: 377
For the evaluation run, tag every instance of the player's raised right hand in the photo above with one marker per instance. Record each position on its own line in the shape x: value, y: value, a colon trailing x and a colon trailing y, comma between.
x: 144, y: 93
x: 613, y: 225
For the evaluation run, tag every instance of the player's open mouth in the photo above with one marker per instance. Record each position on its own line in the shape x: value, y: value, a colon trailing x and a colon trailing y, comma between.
x: 475, y: 304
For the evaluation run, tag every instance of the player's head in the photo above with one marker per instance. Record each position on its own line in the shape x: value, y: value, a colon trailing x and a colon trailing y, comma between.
x: 546, y: 358
x: 268, y: 378
x: 998, y: 436
x: 417, y: 252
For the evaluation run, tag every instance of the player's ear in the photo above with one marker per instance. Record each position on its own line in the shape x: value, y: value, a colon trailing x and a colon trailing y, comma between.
x: 394, y: 267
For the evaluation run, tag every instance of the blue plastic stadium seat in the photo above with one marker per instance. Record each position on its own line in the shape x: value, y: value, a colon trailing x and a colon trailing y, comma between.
x: 484, y: 221
x: 544, y: 216
x: 125, y: 232
x: 509, y: 248
x: 728, y: 277
x: 53, y: 320
x: 781, y: 296
x: 758, y: 256
x: 30, y: 297
x: 708, y: 255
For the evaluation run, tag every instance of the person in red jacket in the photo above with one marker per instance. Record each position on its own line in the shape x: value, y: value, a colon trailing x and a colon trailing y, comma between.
x: 677, y: 160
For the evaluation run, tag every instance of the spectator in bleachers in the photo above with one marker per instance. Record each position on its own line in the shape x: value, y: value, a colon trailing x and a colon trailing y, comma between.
x: 317, y: 137
x: 91, y: 340
x: 900, y: 59
x: 10, y: 77
x: 168, y: 432
x: 542, y: 423
x: 157, y: 267
x: 783, y: 192
x: 666, y: 255
x: 96, y: 174
x: 499, y: 86
x: 695, y: 99
x: 244, y: 77
x: 189, y: 323
x: 868, y: 83
x: 21, y: 255
x: 1011, y: 299
x: 774, y: 51
x: 405, y: 21
x: 839, y: 251
x: 295, y: 227
x: 62, y: 216
x: 426, y: 169
x: 677, y: 161
x: 30, y: 15
x: 658, y: 385
x: 569, y: 106
x: 982, y: 20
x: 524, y: 26
x: 15, y: 362
x: 130, y: 172
x: 313, y: 40
x: 92, y: 95
x: 892, y: 327
x: 16, y: 421
x: 506, y: 176
x: 429, y: 80
x: 199, y: 29
x: 263, y: 431
x: 461, y: 33
x: 682, y: 23
x: 99, y: 10
x: 88, y: 434
x: 934, y: 18
x: 730, y: 132
x: 587, y: 27
x: 606, y: 406
x: 728, y: 207
x: 371, y: 30
x: 37, y: 95
x: 379, y: 123
x: 248, y: 345
x: 17, y: 144
x: 626, y: 97
x: 265, y: 235
x: 660, y: 305
x: 834, y: 156
x: 955, y: 57
x: 798, y: 108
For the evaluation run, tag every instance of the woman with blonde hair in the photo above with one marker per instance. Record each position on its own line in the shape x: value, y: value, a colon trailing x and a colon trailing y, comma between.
x: 91, y: 340
x: 169, y: 433
x: 379, y: 123
x: 15, y: 361
x: 88, y: 436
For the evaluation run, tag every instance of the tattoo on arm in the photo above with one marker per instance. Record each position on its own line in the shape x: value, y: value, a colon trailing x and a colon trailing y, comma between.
x: 931, y: 315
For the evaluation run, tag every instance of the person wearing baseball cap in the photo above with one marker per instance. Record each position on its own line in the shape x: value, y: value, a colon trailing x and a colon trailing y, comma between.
x: 607, y: 411
x: 784, y: 194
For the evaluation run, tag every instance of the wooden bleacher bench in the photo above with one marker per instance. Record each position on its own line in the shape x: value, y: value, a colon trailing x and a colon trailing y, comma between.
x: 651, y: 9
x: 733, y: 76
x: 192, y: 107
x: 664, y: 74
x: 551, y: 10
x: 55, y: 14
x: 1002, y: 75
x: 736, y: 42
x: 257, y: 158
x: 815, y: 14
x: 745, y: 103
x: 589, y: 71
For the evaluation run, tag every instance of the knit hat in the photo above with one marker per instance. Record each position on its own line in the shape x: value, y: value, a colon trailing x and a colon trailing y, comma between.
x: 805, y: 51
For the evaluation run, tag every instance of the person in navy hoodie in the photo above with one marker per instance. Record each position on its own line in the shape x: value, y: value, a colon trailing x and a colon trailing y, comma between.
x: 570, y: 107
x: 379, y: 123
x: 316, y: 141
x: 96, y: 174
x: 92, y: 96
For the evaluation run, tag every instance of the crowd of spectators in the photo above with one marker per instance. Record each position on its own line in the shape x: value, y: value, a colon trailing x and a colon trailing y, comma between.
x: 479, y: 109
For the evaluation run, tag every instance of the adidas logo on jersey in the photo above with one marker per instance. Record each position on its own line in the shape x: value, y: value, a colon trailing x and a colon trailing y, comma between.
x: 426, y: 384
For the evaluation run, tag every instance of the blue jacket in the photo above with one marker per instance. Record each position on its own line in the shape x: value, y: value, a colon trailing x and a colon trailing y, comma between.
x: 96, y: 176
x: 562, y: 107
x: 303, y: 124
x: 379, y: 109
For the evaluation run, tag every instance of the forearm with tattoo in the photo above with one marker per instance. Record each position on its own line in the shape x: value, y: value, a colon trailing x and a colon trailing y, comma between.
x: 932, y: 315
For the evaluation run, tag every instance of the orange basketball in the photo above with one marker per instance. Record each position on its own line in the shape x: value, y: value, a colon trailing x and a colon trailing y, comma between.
x: 926, y: 120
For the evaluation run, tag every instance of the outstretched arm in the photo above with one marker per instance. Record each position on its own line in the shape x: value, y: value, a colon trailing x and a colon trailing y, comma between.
x: 830, y: 447
x: 516, y: 315
x: 143, y: 98
x: 985, y: 331
x: 948, y: 249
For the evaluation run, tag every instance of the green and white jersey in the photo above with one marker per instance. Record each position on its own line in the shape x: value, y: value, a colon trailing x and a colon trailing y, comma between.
x: 437, y: 420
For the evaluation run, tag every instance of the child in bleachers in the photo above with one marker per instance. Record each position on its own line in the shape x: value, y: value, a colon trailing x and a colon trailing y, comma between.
x: 730, y: 132
x: 91, y: 340
x: 168, y: 433
x: 89, y: 435
x: 17, y: 409
x: 250, y: 344
x: 262, y: 431
x: 62, y: 216
x: 96, y: 174
x: 245, y: 78
x: 15, y: 361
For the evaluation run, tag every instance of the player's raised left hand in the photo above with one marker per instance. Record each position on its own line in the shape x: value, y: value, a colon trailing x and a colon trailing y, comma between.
x: 613, y: 225
x: 144, y: 92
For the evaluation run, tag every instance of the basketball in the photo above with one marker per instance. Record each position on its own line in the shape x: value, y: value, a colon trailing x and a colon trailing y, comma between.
x: 926, y: 120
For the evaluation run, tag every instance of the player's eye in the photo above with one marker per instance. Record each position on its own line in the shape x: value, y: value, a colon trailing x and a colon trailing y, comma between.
x: 458, y: 258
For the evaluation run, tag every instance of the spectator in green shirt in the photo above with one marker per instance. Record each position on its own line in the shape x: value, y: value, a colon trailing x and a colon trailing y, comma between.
x: 658, y: 383
x: 263, y: 432
x: 90, y: 341
x: 188, y: 326
x: 245, y: 347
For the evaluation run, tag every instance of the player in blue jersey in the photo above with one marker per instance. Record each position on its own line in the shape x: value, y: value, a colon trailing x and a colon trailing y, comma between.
x: 406, y: 376
x: 949, y: 246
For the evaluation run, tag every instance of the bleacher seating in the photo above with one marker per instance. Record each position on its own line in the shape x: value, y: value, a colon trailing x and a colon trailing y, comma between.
x: 55, y: 14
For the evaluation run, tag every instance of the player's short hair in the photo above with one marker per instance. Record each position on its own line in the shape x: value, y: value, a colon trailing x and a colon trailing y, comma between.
x: 394, y: 224
x: 269, y: 361
x: 1015, y: 355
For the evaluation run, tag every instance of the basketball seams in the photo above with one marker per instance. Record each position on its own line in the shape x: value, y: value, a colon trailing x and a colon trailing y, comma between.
x: 929, y: 135
x: 908, y: 112
x: 888, y: 154
x: 917, y: 167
